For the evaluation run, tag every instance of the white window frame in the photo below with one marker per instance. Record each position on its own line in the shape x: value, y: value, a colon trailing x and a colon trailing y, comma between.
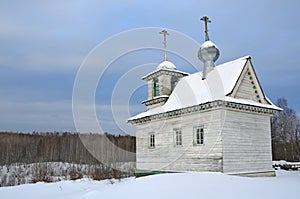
x: 177, y: 136
x: 198, y: 135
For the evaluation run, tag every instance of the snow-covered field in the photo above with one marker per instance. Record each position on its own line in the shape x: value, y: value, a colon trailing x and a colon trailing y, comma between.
x: 181, y: 185
x: 22, y: 173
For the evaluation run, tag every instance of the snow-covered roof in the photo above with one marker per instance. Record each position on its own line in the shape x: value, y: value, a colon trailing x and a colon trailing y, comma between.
x: 166, y: 65
x: 192, y: 90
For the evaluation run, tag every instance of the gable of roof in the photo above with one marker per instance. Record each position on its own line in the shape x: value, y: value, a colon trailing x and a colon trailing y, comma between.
x: 248, y: 86
x: 220, y: 84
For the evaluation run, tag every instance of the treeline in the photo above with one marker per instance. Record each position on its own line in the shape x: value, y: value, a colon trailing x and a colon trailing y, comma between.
x: 65, y: 147
x: 285, y: 128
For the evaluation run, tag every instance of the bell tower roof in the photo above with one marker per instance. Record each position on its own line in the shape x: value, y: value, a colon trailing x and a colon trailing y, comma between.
x: 166, y: 65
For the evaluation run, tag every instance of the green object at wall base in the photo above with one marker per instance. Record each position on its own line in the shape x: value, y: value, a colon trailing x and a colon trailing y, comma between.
x: 142, y: 173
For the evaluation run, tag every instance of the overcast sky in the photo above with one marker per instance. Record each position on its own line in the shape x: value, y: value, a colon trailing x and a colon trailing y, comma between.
x: 44, y: 43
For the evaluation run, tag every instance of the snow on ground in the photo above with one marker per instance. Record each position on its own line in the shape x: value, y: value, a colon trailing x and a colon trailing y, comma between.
x: 181, y: 185
x: 282, y: 162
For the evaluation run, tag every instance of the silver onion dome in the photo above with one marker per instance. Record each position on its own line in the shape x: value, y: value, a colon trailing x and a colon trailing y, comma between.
x: 208, y: 52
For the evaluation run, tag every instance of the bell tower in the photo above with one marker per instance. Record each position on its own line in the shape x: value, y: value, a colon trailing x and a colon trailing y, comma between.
x: 162, y: 81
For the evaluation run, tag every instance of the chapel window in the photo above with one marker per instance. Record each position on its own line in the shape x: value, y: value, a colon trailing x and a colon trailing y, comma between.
x: 198, y: 135
x: 178, y: 137
x: 151, y: 140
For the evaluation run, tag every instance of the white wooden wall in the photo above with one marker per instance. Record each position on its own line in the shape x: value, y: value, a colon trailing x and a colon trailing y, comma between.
x: 234, y: 142
x: 246, y: 143
x: 168, y: 157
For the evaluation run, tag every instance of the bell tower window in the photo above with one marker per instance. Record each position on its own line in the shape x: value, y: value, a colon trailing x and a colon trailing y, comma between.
x: 174, y: 80
x: 155, y: 87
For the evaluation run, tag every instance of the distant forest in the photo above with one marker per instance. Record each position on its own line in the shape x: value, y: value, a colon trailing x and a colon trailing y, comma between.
x: 62, y: 147
x: 53, y: 156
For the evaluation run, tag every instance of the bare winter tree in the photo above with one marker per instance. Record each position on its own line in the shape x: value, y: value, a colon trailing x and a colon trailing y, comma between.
x: 285, y: 133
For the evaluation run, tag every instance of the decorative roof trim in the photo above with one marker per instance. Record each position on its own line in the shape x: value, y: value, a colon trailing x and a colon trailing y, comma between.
x: 259, y: 83
x: 205, y: 107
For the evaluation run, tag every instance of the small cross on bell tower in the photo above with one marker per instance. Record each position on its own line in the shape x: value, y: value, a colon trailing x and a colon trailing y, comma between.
x: 165, y: 33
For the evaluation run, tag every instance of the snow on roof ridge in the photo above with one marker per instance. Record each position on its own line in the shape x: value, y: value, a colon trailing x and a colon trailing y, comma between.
x: 235, y: 60
x: 220, y: 65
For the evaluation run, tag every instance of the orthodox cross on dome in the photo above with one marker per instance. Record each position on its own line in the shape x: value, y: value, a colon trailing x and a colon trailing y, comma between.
x: 165, y: 33
x: 206, y: 20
